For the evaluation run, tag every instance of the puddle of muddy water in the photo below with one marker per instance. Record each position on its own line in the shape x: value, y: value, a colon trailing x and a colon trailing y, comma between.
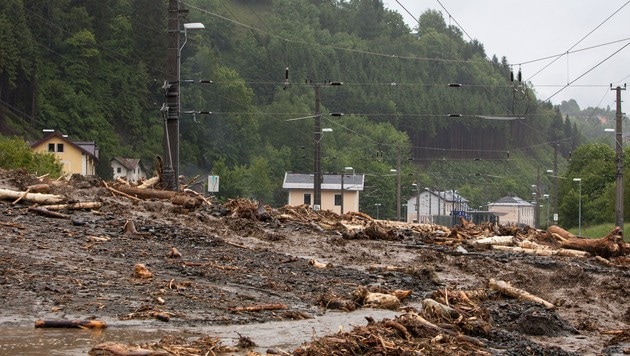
x: 283, y: 335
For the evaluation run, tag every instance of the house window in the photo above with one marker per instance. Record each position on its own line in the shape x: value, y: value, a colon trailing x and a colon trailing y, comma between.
x: 307, y: 199
x: 60, y: 147
x: 51, y: 147
x: 337, y: 199
x: 118, y: 170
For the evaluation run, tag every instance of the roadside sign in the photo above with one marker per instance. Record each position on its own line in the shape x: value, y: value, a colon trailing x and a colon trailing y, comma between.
x: 213, y: 184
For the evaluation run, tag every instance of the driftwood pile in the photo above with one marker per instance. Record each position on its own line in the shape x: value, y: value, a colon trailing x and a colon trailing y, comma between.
x: 527, y: 240
x: 553, y: 241
x: 172, y: 345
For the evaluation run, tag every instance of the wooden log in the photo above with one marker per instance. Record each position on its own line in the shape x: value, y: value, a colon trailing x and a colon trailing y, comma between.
x: 494, y: 240
x: 259, y: 307
x: 75, y: 206
x: 315, y: 263
x: 186, y: 201
x: 21, y: 196
x: 115, y: 191
x: 110, y: 348
x: 529, y: 251
x: 611, y: 245
x: 39, y: 198
x: 542, y: 251
x: 51, y: 214
x: 146, y: 193
x: 149, y: 182
x: 375, y: 300
x: 429, y: 325
x: 506, y: 289
x: 554, y: 229
x: 119, y: 180
x: 435, y: 307
x: 36, y: 188
x: 81, y: 324
x: 381, y: 300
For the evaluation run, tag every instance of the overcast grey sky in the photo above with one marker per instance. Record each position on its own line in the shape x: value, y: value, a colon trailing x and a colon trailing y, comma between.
x: 526, y: 31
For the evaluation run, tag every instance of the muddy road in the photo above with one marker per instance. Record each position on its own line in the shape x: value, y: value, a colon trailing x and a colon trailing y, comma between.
x: 260, y: 280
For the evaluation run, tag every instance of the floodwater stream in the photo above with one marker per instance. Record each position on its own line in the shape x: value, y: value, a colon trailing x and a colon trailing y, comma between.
x: 282, y: 335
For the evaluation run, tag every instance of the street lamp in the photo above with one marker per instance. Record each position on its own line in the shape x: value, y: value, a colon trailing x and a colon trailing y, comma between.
x: 579, y: 180
x: 398, y: 187
x: 554, y: 174
x: 546, y: 196
x: 430, y: 203
x: 342, y: 174
x: 317, y: 179
x: 171, y: 107
x: 417, y: 202
x: 377, y: 206
x: 317, y: 184
x: 619, y: 172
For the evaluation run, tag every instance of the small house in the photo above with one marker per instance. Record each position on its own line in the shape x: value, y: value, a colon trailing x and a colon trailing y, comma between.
x: 513, y: 210
x: 76, y: 157
x: 339, y: 192
x: 439, y: 207
x: 130, y: 169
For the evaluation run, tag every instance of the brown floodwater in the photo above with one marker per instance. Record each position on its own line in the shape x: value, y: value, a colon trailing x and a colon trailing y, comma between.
x: 26, y: 340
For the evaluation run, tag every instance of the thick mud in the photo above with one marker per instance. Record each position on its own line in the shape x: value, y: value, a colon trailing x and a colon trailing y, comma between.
x: 83, y: 268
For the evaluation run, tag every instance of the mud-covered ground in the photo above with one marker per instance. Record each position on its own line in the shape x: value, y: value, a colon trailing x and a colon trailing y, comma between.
x: 83, y: 268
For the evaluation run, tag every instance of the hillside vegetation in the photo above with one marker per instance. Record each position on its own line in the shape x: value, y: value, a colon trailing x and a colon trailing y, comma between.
x: 423, y: 100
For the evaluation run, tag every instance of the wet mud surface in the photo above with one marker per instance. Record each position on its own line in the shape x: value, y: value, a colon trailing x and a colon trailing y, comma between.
x: 83, y: 268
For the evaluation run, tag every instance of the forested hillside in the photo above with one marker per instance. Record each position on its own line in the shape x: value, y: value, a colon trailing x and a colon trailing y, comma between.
x: 426, y: 101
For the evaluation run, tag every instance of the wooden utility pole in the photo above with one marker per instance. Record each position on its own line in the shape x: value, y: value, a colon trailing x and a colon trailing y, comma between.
x: 619, y: 160
x: 317, y: 178
x: 398, y: 183
x: 555, y: 183
x: 171, y: 109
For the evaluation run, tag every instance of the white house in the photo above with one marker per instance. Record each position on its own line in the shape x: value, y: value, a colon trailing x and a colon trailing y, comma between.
x: 428, y: 206
x: 130, y: 169
x: 513, y: 210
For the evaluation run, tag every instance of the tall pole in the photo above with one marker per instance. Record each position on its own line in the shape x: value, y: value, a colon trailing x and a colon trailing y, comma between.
x: 555, y: 183
x: 398, y: 183
x: 579, y: 180
x: 317, y: 178
x: 580, y: 208
x: 619, y: 161
x: 430, y: 203
x: 342, y: 174
x: 417, y: 203
x: 170, y: 170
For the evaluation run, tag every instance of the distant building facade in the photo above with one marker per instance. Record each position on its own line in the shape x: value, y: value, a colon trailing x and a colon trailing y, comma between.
x: 76, y: 157
x: 513, y: 211
x: 429, y: 206
x: 336, y: 190
x: 130, y: 169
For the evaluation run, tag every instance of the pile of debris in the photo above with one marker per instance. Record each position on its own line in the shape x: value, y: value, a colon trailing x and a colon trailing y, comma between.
x: 449, y: 320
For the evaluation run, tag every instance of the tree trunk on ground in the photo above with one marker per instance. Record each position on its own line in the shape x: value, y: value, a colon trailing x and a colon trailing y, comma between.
x: 146, y: 193
x: 611, y: 245
x: 31, y: 197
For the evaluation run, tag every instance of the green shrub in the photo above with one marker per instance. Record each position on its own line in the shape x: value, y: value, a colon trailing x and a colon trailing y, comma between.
x: 15, y: 153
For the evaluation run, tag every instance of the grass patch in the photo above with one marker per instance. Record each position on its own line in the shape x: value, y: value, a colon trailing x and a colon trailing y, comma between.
x: 597, y: 231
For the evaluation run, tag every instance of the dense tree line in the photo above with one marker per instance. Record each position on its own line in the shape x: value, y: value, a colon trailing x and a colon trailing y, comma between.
x: 94, y: 70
